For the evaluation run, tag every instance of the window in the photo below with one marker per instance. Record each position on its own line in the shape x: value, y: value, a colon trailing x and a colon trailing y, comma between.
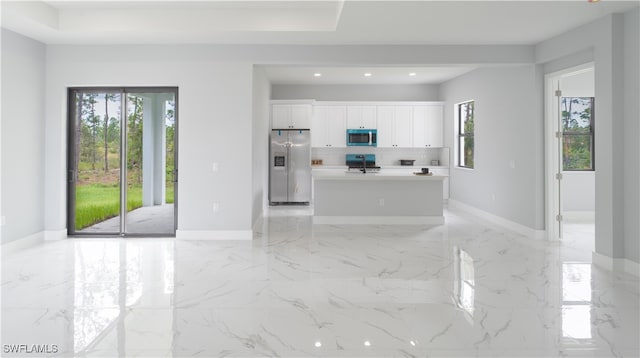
x: 577, y: 133
x: 465, y: 134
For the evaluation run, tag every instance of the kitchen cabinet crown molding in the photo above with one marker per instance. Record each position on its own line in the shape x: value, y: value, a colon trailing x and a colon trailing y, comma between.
x: 378, y: 103
x: 293, y: 101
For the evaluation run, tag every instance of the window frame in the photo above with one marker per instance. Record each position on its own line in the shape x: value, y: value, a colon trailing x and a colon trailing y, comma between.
x: 591, y: 133
x: 460, y: 135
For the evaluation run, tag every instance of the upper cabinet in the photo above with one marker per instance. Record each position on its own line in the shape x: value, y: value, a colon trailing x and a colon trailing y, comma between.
x: 399, y: 124
x: 361, y: 117
x: 394, y: 126
x: 428, y: 125
x: 328, y: 127
x: 285, y: 116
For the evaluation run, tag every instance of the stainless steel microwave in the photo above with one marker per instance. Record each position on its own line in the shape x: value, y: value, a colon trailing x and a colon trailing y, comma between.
x: 362, y: 137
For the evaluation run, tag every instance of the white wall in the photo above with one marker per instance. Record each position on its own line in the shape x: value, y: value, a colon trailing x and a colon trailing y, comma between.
x: 216, y: 97
x: 508, y: 127
x: 260, y: 142
x: 614, y: 76
x: 215, y: 112
x: 632, y: 135
x: 23, y: 82
x: 579, y: 188
x: 578, y: 191
x: 357, y: 92
x: 215, y: 119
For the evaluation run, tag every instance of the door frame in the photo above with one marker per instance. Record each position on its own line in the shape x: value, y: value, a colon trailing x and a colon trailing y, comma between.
x: 123, y: 172
x: 553, y: 187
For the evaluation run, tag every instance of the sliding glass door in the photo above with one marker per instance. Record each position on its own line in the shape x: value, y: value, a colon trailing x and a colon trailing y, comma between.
x: 122, y: 161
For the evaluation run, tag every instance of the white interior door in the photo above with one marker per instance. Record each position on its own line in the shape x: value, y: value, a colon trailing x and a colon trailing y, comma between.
x: 558, y: 139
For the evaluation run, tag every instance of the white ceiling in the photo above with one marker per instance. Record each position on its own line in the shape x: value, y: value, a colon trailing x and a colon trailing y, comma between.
x: 355, y: 75
x: 308, y: 22
x: 301, y: 22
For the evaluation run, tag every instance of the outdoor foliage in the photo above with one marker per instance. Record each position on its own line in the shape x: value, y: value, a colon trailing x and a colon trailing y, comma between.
x: 170, y: 122
x: 577, y: 127
x: 98, y: 143
x: 98, y: 202
x: 466, y: 134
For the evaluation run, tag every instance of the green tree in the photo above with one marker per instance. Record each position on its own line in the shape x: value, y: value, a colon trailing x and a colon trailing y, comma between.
x: 170, y: 140
x: 577, y: 133
x: 91, y: 121
x: 107, y: 98
x: 469, y: 145
x: 134, y: 137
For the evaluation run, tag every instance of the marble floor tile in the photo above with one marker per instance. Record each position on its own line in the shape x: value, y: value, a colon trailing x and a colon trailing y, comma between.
x: 463, y: 289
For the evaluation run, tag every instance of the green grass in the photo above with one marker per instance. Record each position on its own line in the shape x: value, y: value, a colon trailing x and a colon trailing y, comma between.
x: 98, y: 202
x: 169, y: 194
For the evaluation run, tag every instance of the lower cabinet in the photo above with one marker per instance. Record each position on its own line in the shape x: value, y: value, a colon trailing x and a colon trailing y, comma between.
x: 435, y: 171
x: 445, y: 183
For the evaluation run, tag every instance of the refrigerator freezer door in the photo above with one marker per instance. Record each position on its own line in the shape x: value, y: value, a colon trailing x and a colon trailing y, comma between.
x: 278, y: 167
x: 299, y: 166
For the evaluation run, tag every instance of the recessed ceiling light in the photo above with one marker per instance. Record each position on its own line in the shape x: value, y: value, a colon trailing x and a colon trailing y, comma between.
x: 317, y: 74
x: 412, y: 74
x: 367, y: 74
x: 318, y: 344
x: 367, y: 343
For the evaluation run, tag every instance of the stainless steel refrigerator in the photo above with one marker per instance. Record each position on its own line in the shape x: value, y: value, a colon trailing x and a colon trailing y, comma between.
x: 290, y: 167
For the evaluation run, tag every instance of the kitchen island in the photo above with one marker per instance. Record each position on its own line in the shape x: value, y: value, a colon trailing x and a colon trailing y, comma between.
x: 377, y: 198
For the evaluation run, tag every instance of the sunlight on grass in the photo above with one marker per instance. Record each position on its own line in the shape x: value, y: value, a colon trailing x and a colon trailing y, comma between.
x: 98, y: 202
x: 170, y: 194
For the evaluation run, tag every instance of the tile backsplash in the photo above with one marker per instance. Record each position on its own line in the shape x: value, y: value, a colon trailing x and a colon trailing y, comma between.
x: 384, y: 156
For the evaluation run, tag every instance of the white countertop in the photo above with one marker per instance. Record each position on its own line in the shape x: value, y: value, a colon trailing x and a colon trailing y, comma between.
x: 383, y: 167
x: 416, y: 167
x: 381, y: 176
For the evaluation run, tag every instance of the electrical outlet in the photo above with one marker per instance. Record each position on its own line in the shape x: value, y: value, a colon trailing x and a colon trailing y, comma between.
x: 493, y: 196
x: 512, y: 164
x: 381, y: 202
x: 214, y: 167
x: 216, y: 207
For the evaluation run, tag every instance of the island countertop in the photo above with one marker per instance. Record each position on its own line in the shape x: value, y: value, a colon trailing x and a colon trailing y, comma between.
x: 377, y: 198
x: 380, y: 176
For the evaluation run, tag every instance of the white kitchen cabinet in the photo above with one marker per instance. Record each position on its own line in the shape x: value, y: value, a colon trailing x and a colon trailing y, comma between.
x: 329, y: 127
x: 361, y: 117
x: 394, y: 126
x: 428, y: 126
x: 445, y: 183
x: 285, y: 116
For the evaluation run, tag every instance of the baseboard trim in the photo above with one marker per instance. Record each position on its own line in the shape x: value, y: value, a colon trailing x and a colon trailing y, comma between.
x: 579, y: 215
x: 616, y: 265
x: 55, y: 235
x: 258, y: 223
x: 381, y: 220
x: 214, y: 235
x: 602, y: 261
x: 24, y: 243
x: 631, y: 267
x: 497, y: 220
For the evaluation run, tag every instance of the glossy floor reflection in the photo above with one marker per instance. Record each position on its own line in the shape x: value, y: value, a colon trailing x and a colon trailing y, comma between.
x: 461, y: 289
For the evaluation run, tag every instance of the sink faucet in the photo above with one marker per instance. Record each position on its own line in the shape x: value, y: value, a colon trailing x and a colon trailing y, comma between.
x: 364, y: 163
